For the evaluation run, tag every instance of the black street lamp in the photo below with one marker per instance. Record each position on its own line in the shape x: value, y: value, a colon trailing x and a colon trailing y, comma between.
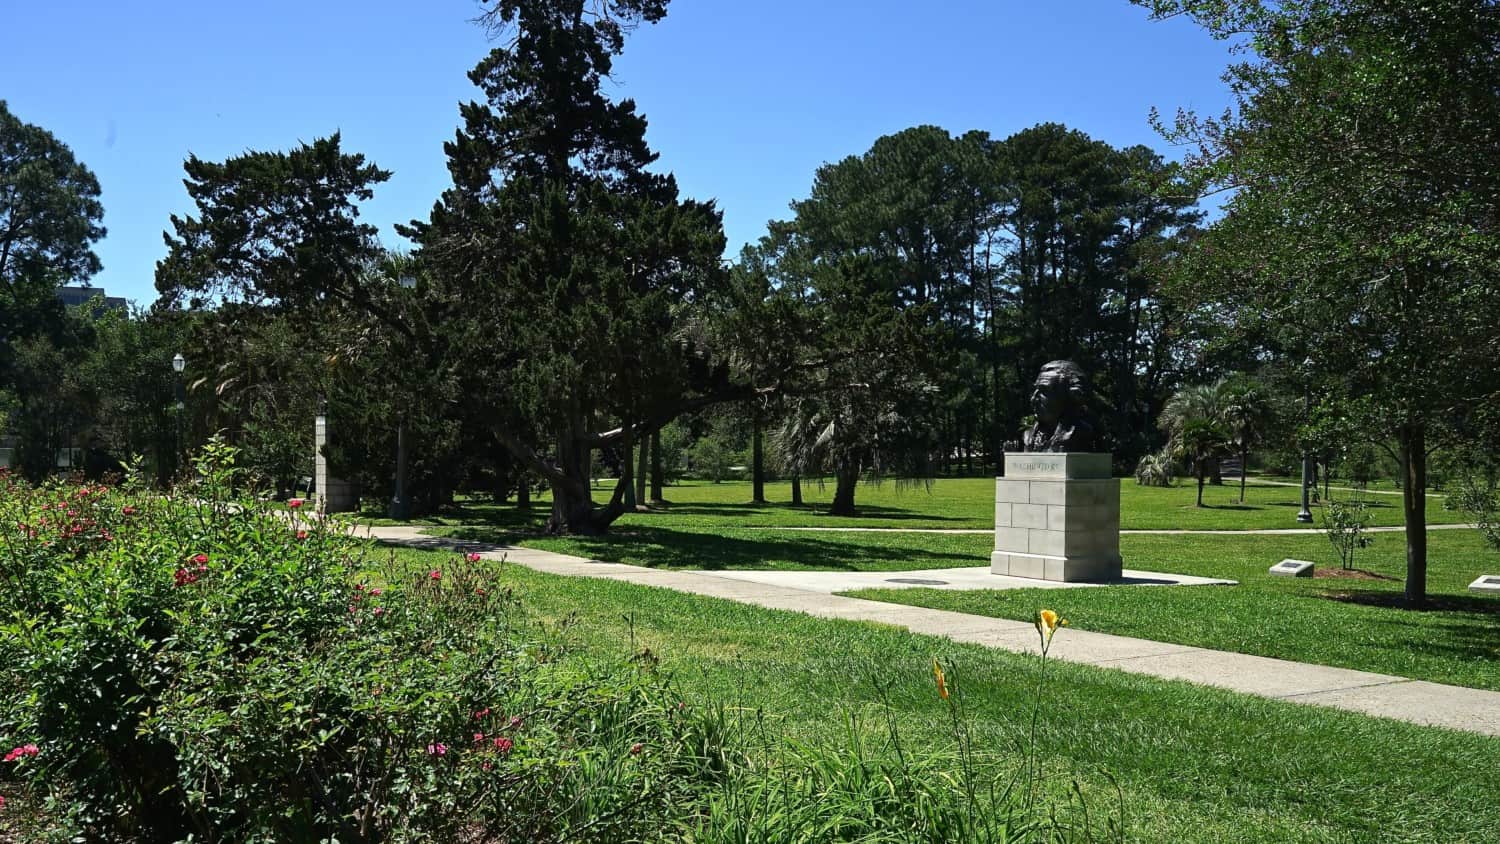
x: 179, y: 363
x: 1304, y: 516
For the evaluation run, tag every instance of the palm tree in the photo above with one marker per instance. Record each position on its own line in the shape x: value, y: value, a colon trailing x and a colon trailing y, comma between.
x: 1247, y: 413
x: 1199, y: 441
x: 1197, y: 401
x: 852, y: 434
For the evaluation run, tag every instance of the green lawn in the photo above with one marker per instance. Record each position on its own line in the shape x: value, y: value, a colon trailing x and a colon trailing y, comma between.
x: 1192, y: 764
x: 945, y: 503
x: 1347, y: 623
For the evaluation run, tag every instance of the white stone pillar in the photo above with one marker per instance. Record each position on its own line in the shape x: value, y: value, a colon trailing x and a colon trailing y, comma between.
x: 333, y: 495
x: 1057, y: 517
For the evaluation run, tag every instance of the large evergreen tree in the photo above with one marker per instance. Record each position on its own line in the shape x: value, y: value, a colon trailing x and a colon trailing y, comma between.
x: 49, y: 220
x: 49, y: 217
x: 582, y: 274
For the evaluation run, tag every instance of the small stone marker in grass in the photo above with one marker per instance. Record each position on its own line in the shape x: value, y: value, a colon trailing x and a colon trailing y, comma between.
x: 1293, y: 568
x: 1487, y: 583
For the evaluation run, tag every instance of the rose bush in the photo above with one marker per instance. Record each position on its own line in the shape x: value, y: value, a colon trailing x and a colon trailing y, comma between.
x: 193, y: 666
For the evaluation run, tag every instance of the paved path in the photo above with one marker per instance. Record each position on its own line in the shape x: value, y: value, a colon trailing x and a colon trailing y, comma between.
x: 1415, y: 701
x: 1163, y: 532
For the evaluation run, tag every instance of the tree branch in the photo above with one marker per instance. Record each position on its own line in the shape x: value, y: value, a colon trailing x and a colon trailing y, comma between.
x: 526, y: 454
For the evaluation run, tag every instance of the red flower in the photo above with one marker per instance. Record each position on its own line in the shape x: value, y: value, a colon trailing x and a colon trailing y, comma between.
x: 301, y: 534
x: 294, y: 503
x: 127, y: 510
x: 21, y: 752
x: 200, y: 559
x: 472, y: 557
x: 635, y: 749
x: 435, y: 574
x: 438, y: 749
x: 479, y: 736
x: 503, y: 745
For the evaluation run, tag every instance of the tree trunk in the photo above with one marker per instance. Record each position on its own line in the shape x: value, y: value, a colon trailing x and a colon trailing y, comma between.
x: 642, y: 469
x: 757, y: 466
x: 846, y: 476
x: 1201, y: 474
x: 1414, y: 500
x: 573, y: 510
x: 1217, y: 471
x: 656, y: 475
x: 627, y: 473
x: 523, y: 492
x: 1244, y: 465
x: 574, y: 514
x: 796, y: 491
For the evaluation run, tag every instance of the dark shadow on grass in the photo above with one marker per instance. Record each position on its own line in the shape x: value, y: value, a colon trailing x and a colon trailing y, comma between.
x: 1466, y: 628
x: 656, y: 547
x: 749, y: 509
x: 504, y: 516
x: 1435, y: 603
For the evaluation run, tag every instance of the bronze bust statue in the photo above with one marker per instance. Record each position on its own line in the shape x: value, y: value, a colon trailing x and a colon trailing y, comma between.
x: 1059, y: 398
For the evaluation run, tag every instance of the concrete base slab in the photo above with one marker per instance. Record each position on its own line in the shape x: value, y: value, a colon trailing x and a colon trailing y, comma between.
x: 975, y: 577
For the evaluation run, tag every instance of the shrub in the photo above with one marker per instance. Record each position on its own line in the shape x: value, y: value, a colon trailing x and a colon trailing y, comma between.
x: 1345, y: 523
x: 1155, y: 470
x: 1480, y: 501
x: 195, y: 667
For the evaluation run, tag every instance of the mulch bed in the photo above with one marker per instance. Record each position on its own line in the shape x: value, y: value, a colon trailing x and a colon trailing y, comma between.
x: 1351, y: 574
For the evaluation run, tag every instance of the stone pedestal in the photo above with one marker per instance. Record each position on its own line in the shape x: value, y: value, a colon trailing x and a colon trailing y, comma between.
x: 332, y: 494
x: 1057, y: 517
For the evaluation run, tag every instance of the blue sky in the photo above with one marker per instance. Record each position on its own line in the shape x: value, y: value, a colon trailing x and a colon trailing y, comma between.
x: 744, y: 99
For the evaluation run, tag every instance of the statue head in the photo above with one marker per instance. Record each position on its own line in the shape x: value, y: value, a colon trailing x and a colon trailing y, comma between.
x: 1060, y: 392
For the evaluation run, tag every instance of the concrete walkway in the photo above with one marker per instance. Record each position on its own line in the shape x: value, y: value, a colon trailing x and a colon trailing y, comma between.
x: 1144, y: 532
x: 1414, y: 701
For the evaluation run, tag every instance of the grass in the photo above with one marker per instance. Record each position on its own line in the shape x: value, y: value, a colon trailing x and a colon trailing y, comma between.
x: 1346, y: 623
x: 1192, y: 763
x: 1329, y: 621
x: 966, y: 503
x: 1342, y: 622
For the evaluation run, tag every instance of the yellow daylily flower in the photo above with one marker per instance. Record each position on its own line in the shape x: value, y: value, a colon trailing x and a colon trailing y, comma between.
x: 1047, y: 623
x: 942, y: 681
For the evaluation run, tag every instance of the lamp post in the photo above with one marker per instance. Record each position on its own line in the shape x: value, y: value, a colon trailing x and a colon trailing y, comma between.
x: 1304, y: 516
x: 400, y: 504
x: 179, y: 363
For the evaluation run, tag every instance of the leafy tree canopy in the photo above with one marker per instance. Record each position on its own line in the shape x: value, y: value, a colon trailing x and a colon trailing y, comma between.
x: 1364, y: 226
x: 50, y: 217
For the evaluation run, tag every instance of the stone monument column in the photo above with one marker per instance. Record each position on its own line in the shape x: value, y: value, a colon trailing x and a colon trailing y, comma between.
x: 332, y: 494
x: 1057, y: 517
